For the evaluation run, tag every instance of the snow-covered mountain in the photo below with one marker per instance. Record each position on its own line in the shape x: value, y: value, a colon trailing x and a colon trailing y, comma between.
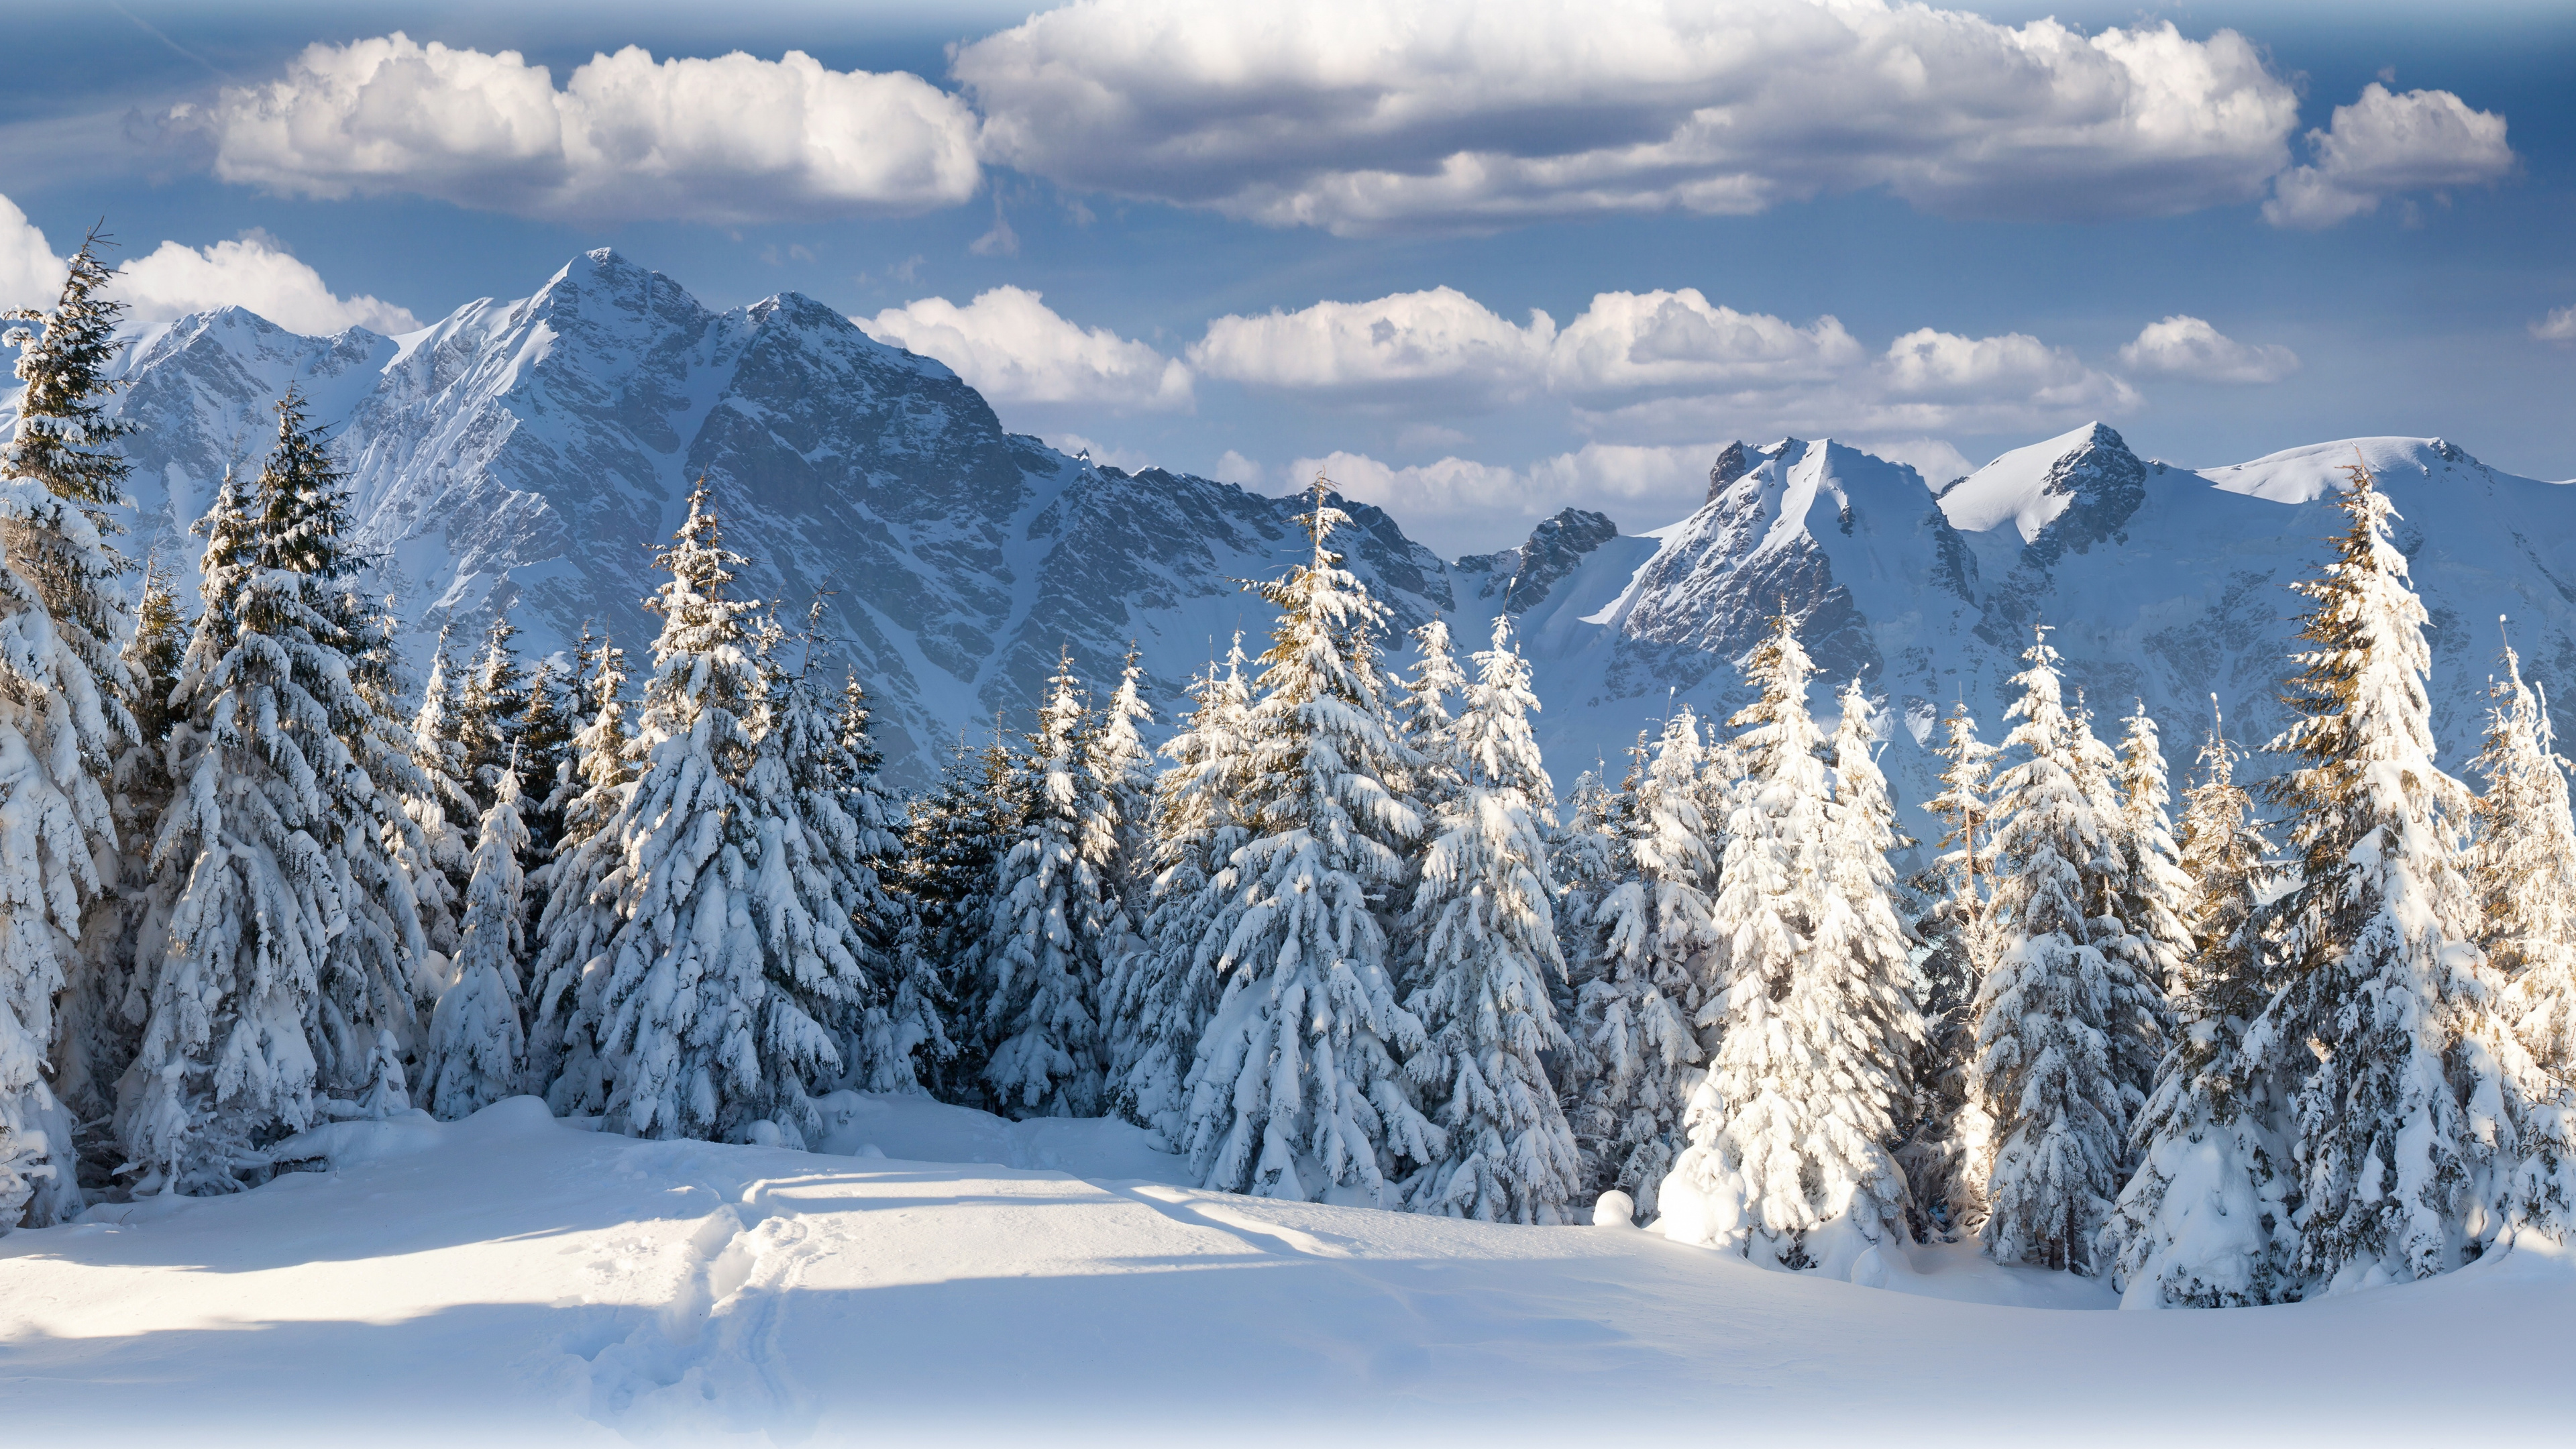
x: 533, y: 453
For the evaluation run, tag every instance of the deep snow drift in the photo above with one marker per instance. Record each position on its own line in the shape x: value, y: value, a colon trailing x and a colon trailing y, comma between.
x: 515, y: 1279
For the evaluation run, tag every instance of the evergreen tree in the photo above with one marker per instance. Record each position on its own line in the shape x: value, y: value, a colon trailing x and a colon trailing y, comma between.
x: 444, y: 866
x: 1483, y: 914
x: 1041, y: 959
x: 2204, y: 1223
x: 1163, y: 991
x: 2524, y: 872
x: 2151, y: 895
x: 2063, y: 1008
x: 903, y: 1029
x: 542, y: 744
x: 1648, y: 967
x: 293, y: 944
x: 1297, y: 1087
x: 1122, y: 776
x: 2391, y: 1110
x: 488, y: 710
x: 953, y: 843
x: 1791, y: 1132
x: 63, y: 717
x: 724, y: 968
x: 1424, y: 714
x: 102, y: 1013
x: 1951, y: 1154
x: 476, y: 1041
x: 584, y: 882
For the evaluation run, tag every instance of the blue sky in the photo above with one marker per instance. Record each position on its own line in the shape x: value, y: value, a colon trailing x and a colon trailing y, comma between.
x: 1246, y: 241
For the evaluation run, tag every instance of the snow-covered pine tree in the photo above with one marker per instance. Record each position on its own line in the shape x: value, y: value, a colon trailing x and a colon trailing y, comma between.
x: 954, y: 837
x: 1648, y: 966
x: 294, y: 943
x: 62, y: 621
x: 2152, y: 893
x: 2058, y: 1014
x: 1163, y: 991
x: 542, y: 745
x: 584, y: 882
x: 102, y: 1013
x: 2524, y: 871
x: 488, y: 709
x: 2204, y: 1222
x: 1298, y: 1087
x: 720, y: 978
x: 903, y: 1033
x: 1426, y: 719
x: 1041, y: 958
x: 2390, y: 1108
x: 477, y: 1041
x: 1951, y: 1153
x: 1791, y: 1133
x: 444, y: 866
x: 1120, y: 845
x: 1483, y: 913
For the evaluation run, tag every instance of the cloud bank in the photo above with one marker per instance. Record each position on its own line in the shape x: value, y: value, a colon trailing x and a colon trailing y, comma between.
x: 1359, y: 117
x: 730, y: 140
x: 2385, y: 144
x: 1013, y: 348
x: 172, y: 280
x: 2190, y: 348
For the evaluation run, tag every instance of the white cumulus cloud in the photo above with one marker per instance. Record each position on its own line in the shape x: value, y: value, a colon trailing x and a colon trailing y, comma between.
x: 30, y: 274
x: 1013, y: 348
x: 2558, y: 326
x: 1946, y: 382
x: 253, y: 273
x: 174, y: 279
x: 1460, y: 505
x: 2182, y: 346
x: 1631, y: 341
x: 732, y: 139
x: 1441, y: 343
x: 2386, y: 143
x: 1358, y: 116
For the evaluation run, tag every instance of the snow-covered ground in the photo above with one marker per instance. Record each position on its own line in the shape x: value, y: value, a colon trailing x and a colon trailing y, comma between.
x: 514, y: 1279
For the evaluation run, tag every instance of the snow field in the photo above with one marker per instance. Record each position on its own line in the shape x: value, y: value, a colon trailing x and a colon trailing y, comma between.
x: 515, y: 1279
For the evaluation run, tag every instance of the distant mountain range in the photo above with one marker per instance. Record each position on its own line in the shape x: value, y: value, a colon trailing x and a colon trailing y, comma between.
x: 531, y: 454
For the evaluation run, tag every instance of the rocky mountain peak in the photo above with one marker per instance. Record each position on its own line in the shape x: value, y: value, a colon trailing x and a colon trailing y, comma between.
x: 1731, y: 464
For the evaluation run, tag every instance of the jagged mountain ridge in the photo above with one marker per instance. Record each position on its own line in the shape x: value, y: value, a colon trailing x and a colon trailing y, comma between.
x: 533, y: 452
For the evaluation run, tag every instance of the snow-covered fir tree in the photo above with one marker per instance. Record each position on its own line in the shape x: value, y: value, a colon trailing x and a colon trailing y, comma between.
x: 1122, y: 773
x: 2204, y: 1222
x: 442, y: 809
x: 64, y: 714
x: 2391, y: 1107
x: 1040, y: 965
x: 1647, y: 967
x: 1951, y: 1153
x: 1483, y: 914
x: 293, y: 942
x: 542, y: 746
x: 2523, y: 868
x: 489, y: 704
x: 103, y: 1011
x: 2153, y: 887
x: 1426, y: 717
x: 584, y: 882
x: 902, y: 1034
x: 723, y: 971
x: 477, y: 1036
x: 1162, y: 992
x: 1297, y: 1088
x: 1792, y: 1131
x: 2064, y: 1008
x: 953, y: 840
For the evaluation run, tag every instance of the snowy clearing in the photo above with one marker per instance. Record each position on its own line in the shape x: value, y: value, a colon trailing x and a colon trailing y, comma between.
x: 519, y: 1280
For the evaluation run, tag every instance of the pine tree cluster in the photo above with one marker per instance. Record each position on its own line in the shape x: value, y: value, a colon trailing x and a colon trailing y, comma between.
x: 1338, y: 944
